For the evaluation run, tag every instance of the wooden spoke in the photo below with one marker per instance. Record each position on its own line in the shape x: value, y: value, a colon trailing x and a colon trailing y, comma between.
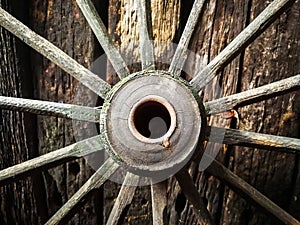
x: 181, y: 52
x: 145, y: 34
x: 51, y: 108
x: 193, y: 196
x: 124, y: 198
x: 254, y: 95
x: 253, y: 30
x: 53, y: 53
x: 159, y: 203
x: 249, y: 192
x: 252, y: 139
x: 76, y: 150
x: 90, y: 13
x: 95, y: 181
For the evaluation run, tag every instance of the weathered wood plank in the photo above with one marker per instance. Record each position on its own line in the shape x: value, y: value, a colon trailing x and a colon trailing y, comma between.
x: 253, y: 30
x: 95, y: 181
x: 19, y: 203
x: 62, y: 110
x: 181, y: 51
x: 249, y: 192
x: 159, y: 203
x: 273, y: 56
x: 220, y: 23
x: 62, y: 23
x: 76, y: 150
x: 257, y: 140
x: 124, y: 198
x: 89, y: 11
x: 193, y: 196
x: 53, y: 53
x: 145, y: 34
x: 251, y: 96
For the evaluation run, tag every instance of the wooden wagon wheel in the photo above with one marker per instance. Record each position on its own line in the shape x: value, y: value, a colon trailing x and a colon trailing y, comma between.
x: 139, y: 97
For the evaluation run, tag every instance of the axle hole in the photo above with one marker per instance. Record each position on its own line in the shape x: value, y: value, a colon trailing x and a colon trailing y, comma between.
x: 152, y: 119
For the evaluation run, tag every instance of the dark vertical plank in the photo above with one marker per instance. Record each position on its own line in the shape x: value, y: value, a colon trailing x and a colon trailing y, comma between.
x: 220, y: 23
x: 17, y: 200
x: 272, y: 57
x: 62, y: 23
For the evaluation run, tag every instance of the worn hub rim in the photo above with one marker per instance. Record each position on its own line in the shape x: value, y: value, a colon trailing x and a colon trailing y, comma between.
x: 140, y: 154
x: 157, y: 104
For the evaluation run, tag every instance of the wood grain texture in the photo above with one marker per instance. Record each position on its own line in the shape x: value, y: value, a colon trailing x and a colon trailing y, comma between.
x: 254, y: 29
x: 193, y: 196
x: 255, y: 140
x: 89, y: 11
x: 220, y: 23
x: 145, y: 34
x: 250, y: 193
x: 272, y: 57
x: 254, y: 95
x: 180, y: 54
x: 159, y: 203
x: 54, y: 54
x: 16, y: 128
x: 62, y: 110
x: 62, y: 23
x: 76, y: 150
x: 95, y: 181
x: 124, y: 199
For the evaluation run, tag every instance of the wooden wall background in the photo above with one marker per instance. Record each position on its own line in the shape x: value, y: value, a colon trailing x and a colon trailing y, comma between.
x: 24, y: 73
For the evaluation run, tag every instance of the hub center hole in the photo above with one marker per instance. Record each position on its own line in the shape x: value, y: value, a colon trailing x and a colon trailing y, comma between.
x: 152, y: 119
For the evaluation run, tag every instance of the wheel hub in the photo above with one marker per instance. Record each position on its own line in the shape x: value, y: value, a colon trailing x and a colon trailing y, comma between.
x: 151, y: 123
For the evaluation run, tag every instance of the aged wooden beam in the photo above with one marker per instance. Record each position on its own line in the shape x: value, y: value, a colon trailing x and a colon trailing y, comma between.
x: 53, y: 53
x: 62, y: 110
x: 249, y: 192
x: 193, y: 196
x: 19, y: 203
x: 253, y: 30
x: 181, y: 51
x: 95, y: 181
x: 76, y: 150
x: 89, y: 11
x: 145, y: 34
x: 251, y: 96
x: 252, y: 139
x: 124, y: 198
x: 159, y: 203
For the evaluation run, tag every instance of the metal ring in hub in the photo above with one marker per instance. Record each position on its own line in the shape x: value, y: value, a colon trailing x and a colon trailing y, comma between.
x: 141, y: 97
x: 147, y: 108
